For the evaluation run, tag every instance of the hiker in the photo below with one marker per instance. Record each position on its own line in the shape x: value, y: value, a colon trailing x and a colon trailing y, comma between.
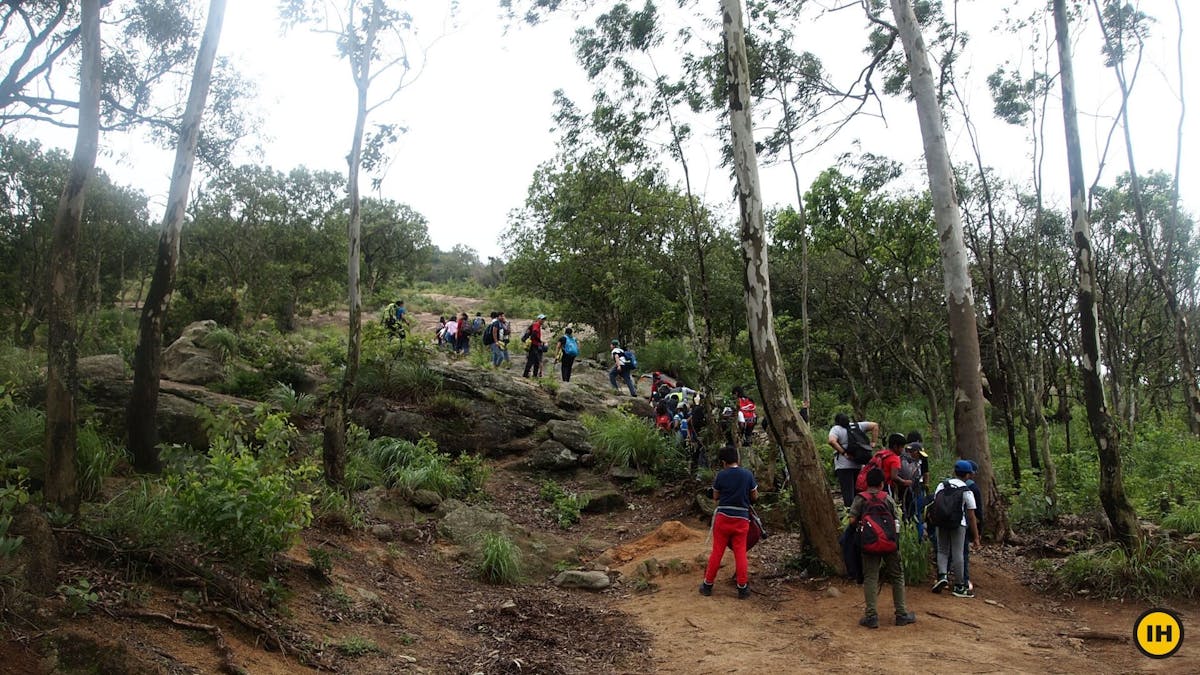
x: 462, y: 343
x: 395, y: 319
x: 662, y: 418
x: 845, y: 466
x: 681, y: 423
x: 623, y: 366
x: 450, y: 332
x: 534, y: 347
x: 477, y: 324
x: 914, y: 466
x: 874, y: 512
x: 567, y: 350
x: 491, y: 339
x: 747, y: 415
x: 505, y: 336
x: 734, y: 489
x: 974, y: 488
x: 886, y: 459
x: 953, y: 515
x: 657, y: 378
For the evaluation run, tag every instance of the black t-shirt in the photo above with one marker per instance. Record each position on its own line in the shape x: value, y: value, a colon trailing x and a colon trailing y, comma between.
x: 734, y: 486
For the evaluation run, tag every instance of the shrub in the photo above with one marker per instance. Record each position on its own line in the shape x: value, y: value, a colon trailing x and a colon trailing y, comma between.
x: 915, y: 555
x: 564, y: 506
x: 355, y: 647
x: 1151, y: 571
x: 222, y: 342
x: 244, y: 383
x: 95, y: 459
x: 398, y: 380
x: 420, y: 466
x: 623, y: 440
x: 109, y: 331
x: 22, y: 433
x: 290, y: 402
x: 498, y: 559
x: 1186, y: 520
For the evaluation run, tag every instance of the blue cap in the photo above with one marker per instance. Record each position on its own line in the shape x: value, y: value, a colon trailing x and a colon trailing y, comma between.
x: 964, y: 466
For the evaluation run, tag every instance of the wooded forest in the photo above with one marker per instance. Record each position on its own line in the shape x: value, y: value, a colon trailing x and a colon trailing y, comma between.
x: 1026, y: 310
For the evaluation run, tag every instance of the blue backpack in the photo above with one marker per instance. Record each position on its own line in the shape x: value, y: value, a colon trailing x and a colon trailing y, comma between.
x: 570, y: 346
x: 630, y: 359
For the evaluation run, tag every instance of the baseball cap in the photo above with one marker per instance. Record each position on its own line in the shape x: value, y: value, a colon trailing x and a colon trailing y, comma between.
x: 964, y: 466
x: 541, y: 316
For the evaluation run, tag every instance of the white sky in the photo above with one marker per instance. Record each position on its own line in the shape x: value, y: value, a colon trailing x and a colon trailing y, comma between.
x: 479, y: 117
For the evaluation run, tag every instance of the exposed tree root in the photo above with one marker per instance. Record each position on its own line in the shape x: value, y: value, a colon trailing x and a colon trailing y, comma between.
x: 228, y: 665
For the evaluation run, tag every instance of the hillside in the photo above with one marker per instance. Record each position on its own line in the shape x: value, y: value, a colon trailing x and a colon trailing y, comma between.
x: 398, y: 591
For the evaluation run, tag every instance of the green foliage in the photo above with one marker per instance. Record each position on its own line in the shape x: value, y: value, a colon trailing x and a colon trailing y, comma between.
x: 915, y: 556
x: 244, y: 383
x: 222, y: 342
x: 398, y: 380
x: 672, y: 356
x: 80, y: 596
x: 322, y: 560
x: 420, y: 466
x: 624, y: 440
x: 331, y: 506
x: 448, y: 406
x: 498, y: 559
x: 109, y: 331
x: 564, y: 506
x: 22, y: 432
x: 1152, y: 571
x: 645, y: 484
x: 13, y: 493
x: 355, y: 646
x: 20, y: 369
x: 1185, y: 520
x: 95, y: 458
x: 292, y: 403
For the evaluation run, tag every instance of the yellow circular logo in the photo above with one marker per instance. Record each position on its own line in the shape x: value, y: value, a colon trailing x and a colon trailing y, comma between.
x: 1158, y: 633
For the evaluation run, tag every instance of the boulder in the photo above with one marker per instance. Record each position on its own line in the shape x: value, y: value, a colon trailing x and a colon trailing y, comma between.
x: 383, y: 532
x: 573, y: 398
x: 36, y: 562
x: 552, y: 456
x: 102, y: 367
x: 623, y: 473
x: 179, y: 405
x: 464, y: 524
x: 587, y: 580
x: 187, y: 361
x: 602, y: 501
x: 425, y: 500
x: 571, y: 434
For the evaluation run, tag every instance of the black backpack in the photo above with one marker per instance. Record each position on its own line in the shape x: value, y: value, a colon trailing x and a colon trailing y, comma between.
x: 488, y: 337
x: 946, y: 510
x: 858, y: 445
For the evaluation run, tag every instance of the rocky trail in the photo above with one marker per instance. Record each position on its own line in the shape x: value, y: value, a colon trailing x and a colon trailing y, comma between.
x: 402, y: 596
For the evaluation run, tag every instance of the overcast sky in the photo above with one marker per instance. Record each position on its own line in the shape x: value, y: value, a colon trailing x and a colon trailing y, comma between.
x: 479, y: 117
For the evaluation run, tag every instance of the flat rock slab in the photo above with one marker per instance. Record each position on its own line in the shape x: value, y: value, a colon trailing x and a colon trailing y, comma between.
x: 587, y: 580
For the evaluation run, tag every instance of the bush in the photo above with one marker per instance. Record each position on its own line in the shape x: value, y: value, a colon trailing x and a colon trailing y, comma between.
x: 22, y: 435
x: 398, y: 380
x: 1152, y: 571
x: 623, y: 440
x: 222, y: 342
x: 109, y: 331
x: 564, y: 506
x: 244, y: 383
x: 420, y: 466
x: 1186, y: 520
x: 20, y: 369
x: 915, y: 556
x: 498, y: 559
x: 95, y: 459
x: 290, y: 402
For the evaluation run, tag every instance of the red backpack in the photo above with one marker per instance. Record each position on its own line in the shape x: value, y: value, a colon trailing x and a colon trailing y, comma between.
x: 877, y: 525
x: 860, y: 483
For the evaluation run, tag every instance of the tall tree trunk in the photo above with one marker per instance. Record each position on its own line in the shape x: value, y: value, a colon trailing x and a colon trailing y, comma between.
x: 970, y: 423
x: 805, y: 389
x: 809, y: 491
x: 1112, y: 488
x: 62, y: 378
x: 140, y: 417
x: 335, y: 424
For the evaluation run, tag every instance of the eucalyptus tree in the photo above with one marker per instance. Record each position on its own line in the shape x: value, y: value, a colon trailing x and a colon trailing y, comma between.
x: 140, y: 420
x: 787, y: 428
x: 969, y: 420
x: 1116, y: 504
x: 1125, y: 28
x: 378, y: 40
x: 62, y: 381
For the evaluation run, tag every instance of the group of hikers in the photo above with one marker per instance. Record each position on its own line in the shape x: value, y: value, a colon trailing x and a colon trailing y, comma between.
x: 880, y: 488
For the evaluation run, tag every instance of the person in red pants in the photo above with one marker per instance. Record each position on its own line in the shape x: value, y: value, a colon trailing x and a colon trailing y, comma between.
x: 734, y: 489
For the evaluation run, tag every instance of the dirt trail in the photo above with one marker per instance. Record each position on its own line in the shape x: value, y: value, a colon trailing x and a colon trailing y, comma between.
x: 805, y: 626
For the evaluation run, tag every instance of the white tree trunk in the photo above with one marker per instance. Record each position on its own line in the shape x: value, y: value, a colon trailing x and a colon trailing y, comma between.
x: 970, y: 423
x: 809, y: 492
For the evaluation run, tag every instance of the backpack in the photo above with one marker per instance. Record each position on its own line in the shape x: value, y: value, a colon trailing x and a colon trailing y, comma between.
x: 476, y: 325
x: 748, y: 408
x: 910, y: 468
x: 570, y: 346
x: 858, y: 446
x: 630, y: 359
x: 876, y: 462
x: 488, y: 338
x: 946, y: 510
x: 527, y: 334
x: 877, y: 526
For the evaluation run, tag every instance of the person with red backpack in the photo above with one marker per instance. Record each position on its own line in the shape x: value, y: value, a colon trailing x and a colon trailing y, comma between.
x: 886, y: 460
x: 747, y: 415
x: 874, y: 513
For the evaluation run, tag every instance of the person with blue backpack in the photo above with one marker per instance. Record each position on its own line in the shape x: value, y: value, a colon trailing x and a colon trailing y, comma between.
x: 624, y: 363
x: 568, y: 350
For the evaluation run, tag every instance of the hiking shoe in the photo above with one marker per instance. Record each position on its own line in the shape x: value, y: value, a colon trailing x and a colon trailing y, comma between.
x: 869, y: 621
x: 705, y: 588
x: 941, y: 584
x: 743, y: 592
x: 963, y: 592
x: 905, y: 619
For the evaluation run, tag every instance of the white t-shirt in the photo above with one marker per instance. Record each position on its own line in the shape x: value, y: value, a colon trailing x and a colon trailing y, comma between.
x: 451, y: 328
x: 842, y: 436
x: 968, y: 497
x: 619, y: 354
